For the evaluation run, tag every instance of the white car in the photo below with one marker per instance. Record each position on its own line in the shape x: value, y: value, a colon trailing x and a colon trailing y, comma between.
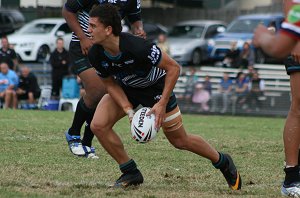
x: 35, y: 40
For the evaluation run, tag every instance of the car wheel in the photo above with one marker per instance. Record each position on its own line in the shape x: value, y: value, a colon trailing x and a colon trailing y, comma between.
x: 196, y: 57
x: 43, y: 53
x: 260, y: 56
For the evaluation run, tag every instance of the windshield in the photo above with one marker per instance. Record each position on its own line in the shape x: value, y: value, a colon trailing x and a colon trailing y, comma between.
x: 37, y: 28
x: 187, y: 31
x: 244, y: 25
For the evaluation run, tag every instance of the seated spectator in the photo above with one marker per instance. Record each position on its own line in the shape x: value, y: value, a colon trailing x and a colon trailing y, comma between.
x: 28, y: 88
x: 246, y: 56
x: 8, y: 84
x: 250, y: 72
x: 201, y: 96
x: 207, y: 84
x: 224, y: 93
x: 232, y: 56
x: 241, y: 89
x: 256, y: 90
x: 8, y: 55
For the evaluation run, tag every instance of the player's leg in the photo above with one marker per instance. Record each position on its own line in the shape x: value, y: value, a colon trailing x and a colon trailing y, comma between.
x: 106, y: 115
x: 8, y: 98
x: 291, y: 138
x: 177, y: 136
x: 86, y: 106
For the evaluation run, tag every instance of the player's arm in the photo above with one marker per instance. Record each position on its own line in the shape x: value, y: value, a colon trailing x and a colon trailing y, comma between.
x: 279, y: 45
x: 135, y: 19
x: 172, y: 69
x: 69, y: 12
x: 118, y: 95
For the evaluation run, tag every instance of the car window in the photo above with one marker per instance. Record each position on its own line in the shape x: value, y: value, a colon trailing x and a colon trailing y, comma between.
x: 187, y: 31
x: 65, y: 28
x: 213, y: 30
x: 244, y: 25
x: 37, y: 28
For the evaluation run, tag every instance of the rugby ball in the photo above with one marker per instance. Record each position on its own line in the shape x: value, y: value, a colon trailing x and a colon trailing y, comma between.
x: 142, y: 126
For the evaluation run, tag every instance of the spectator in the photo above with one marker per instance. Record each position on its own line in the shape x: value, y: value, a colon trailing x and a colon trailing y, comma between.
x: 8, y: 84
x: 232, y: 56
x: 256, y: 87
x: 60, y: 62
x: 201, y: 96
x: 241, y: 89
x: 250, y: 72
x: 28, y: 88
x: 207, y: 84
x: 162, y: 43
x: 246, y: 56
x: 8, y: 55
x: 192, y: 79
x: 224, y: 93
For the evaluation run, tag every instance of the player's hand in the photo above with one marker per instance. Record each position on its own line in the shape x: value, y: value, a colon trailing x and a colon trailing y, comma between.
x: 159, y: 111
x: 139, y: 32
x: 130, y: 114
x: 85, y: 44
x: 259, y: 31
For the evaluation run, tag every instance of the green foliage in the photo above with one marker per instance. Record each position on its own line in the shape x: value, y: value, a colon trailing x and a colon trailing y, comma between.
x: 36, y: 162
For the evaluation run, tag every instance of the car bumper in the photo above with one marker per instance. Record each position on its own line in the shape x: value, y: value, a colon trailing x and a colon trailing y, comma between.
x: 26, y: 54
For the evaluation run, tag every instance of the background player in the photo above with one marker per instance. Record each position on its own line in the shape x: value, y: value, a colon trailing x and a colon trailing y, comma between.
x: 76, y: 14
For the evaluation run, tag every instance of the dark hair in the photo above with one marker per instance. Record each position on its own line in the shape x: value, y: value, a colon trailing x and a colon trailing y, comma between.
x: 59, y: 39
x: 108, y: 15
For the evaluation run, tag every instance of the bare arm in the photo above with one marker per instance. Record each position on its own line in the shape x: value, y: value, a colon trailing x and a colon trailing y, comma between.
x: 278, y: 46
x: 71, y: 19
x: 117, y: 93
x: 172, y: 69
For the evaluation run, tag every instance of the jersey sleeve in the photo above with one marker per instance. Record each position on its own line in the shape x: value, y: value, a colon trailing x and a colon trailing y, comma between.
x: 97, y: 63
x: 291, y: 25
x: 76, y: 5
x: 151, y: 54
x: 133, y: 12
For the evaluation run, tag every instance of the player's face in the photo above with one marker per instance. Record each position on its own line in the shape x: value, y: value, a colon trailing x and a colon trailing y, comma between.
x: 97, y: 30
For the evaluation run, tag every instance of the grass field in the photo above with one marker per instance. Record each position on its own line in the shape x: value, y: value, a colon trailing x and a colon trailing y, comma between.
x: 35, y: 160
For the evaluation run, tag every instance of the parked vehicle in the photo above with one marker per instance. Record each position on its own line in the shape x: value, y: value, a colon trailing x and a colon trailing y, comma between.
x: 37, y: 39
x: 10, y: 20
x: 241, y: 30
x: 188, y: 40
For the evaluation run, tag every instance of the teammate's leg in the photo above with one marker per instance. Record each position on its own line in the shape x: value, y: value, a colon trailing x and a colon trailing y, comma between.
x: 178, y: 137
x: 106, y: 115
x: 291, y: 138
x: 94, y: 90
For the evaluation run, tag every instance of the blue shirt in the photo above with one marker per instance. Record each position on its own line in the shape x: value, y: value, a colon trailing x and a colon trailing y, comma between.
x: 226, y: 84
x: 11, y: 78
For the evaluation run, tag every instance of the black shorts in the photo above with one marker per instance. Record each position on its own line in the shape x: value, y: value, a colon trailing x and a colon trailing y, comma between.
x: 149, y: 96
x: 80, y: 62
x: 24, y: 96
x: 291, y: 65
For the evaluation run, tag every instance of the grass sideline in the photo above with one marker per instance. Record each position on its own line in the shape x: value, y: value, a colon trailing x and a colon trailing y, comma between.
x: 35, y: 161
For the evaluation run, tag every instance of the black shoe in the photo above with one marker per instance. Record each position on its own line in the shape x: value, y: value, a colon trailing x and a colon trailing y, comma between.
x: 129, y: 179
x: 231, y: 174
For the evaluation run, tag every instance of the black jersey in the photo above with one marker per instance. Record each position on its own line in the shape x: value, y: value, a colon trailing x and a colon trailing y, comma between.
x: 127, y: 8
x: 135, y: 66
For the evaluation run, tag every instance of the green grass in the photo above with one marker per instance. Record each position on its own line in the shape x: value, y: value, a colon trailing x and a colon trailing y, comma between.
x: 35, y: 160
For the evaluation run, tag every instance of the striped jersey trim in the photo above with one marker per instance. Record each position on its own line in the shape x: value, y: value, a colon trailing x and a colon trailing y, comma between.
x: 83, y: 19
